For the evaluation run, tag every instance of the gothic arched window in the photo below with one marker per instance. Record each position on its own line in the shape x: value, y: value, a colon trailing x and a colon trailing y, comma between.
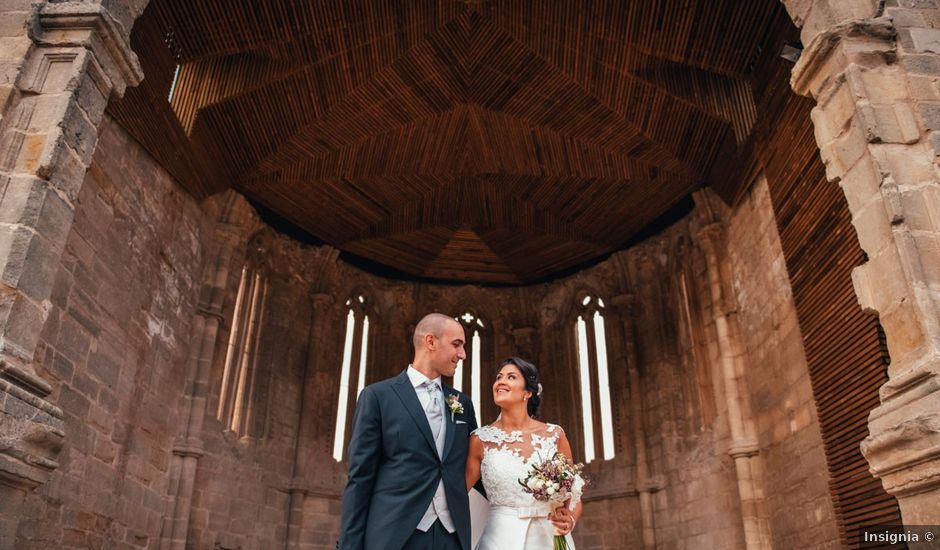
x: 353, y: 373
x: 468, y: 372
x: 591, y: 337
x: 239, y: 375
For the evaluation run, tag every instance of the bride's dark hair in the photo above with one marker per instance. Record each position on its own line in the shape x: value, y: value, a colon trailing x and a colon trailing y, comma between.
x: 530, y: 375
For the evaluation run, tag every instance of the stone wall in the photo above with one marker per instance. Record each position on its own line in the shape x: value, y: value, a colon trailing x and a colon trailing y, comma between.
x: 112, y: 348
x: 796, y: 478
x: 123, y: 324
x: 695, y: 502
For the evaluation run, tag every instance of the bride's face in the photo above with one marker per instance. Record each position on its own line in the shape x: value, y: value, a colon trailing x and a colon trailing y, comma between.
x: 509, y: 387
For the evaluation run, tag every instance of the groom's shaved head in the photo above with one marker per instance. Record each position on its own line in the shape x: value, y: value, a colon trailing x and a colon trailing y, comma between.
x: 432, y: 323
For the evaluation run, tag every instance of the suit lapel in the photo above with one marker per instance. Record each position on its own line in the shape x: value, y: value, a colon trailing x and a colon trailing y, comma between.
x: 409, y: 399
x: 449, y: 423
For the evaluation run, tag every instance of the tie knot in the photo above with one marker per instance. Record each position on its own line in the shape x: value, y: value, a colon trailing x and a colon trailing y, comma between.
x: 431, y: 386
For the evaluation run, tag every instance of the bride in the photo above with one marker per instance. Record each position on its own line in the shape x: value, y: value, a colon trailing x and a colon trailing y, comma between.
x: 502, y: 453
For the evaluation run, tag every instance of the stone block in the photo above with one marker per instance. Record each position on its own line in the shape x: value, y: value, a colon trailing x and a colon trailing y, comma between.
x: 921, y: 64
x: 14, y: 244
x: 74, y: 341
x: 903, y: 331
x: 884, y: 85
x: 924, y: 249
x: 84, y: 311
x: 929, y: 112
x: 904, y: 17
x: 73, y: 403
x: 31, y: 202
x: 918, y: 4
x: 84, y: 385
x: 91, y: 100
x: 39, y: 269
x: 888, y: 123
x: 908, y: 165
x: 14, y: 23
x: 108, y: 401
x: 931, y: 18
x: 861, y: 184
x: 832, y: 118
x: 840, y: 155
x: 926, y: 40
x: 925, y: 88
x: 105, y: 368
x: 23, y: 325
x: 873, y: 227
x: 79, y: 132
x: 67, y: 173
x: 920, y: 207
x: 12, y: 51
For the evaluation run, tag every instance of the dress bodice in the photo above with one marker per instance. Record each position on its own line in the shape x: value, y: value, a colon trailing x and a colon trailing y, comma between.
x: 507, y: 457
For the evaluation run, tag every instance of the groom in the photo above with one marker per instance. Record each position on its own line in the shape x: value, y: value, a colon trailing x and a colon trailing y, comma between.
x: 408, y: 452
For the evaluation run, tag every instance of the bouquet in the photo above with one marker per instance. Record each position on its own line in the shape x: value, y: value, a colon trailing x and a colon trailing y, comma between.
x: 555, y: 481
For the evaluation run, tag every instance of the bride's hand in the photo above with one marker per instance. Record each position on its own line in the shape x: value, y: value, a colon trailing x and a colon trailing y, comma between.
x: 562, y: 519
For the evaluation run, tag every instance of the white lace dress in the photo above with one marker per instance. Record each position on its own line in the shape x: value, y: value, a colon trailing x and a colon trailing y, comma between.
x: 516, y: 521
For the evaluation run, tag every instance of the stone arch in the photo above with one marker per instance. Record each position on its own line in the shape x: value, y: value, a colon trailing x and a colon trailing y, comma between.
x: 862, y: 60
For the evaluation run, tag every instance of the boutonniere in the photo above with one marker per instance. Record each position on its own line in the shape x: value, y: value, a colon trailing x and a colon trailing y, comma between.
x: 453, y: 403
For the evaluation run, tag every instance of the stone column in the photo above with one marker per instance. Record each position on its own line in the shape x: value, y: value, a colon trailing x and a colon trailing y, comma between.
x: 188, y: 448
x: 645, y: 485
x: 60, y: 68
x: 877, y: 121
x: 744, y: 447
x: 307, y: 419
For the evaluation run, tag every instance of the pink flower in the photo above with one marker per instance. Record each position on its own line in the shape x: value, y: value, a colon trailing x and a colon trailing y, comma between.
x: 455, y: 406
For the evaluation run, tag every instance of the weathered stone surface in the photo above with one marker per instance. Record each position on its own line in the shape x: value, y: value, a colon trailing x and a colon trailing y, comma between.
x: 892, y: 197
x: 778, y: 377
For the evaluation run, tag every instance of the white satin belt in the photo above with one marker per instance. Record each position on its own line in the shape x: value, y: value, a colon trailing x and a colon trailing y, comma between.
x: 523, y: 512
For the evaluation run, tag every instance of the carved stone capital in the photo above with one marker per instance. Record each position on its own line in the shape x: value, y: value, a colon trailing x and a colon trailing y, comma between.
x: 904, y: 446
x: 708, y: 236
x: 744, y: 448
x: 868, y: 42
x: 31, y: 435
x: 189, y: 448
x: 91, y: 26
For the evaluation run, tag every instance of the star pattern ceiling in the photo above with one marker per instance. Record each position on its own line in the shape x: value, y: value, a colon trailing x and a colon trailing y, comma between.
x: 495, y: 141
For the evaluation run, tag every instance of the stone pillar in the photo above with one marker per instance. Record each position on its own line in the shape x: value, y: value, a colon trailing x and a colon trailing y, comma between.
x: 645, y: 485
x: 744, y: 447
x: 188, y: 448
x: 877, y: 121
x: 60, y: 68
x: 307, y: 420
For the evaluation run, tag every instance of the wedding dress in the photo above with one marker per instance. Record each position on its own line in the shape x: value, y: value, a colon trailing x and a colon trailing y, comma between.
x: 516, y: 520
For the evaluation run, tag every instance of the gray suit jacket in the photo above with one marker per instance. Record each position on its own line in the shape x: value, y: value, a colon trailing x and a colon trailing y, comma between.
x: 394, y: 468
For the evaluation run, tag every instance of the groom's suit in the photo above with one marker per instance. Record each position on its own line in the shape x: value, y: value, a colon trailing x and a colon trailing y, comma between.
x: 395, y: 469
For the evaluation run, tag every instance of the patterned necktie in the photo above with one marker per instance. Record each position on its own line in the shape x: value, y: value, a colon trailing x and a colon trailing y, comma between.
x: 433, y: 409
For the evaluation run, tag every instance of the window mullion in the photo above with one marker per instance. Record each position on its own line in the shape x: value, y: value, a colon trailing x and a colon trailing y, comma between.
x: 596, y: 412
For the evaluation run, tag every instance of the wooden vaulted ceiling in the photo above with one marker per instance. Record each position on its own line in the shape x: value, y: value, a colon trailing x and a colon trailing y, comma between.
x: 489, y: 141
